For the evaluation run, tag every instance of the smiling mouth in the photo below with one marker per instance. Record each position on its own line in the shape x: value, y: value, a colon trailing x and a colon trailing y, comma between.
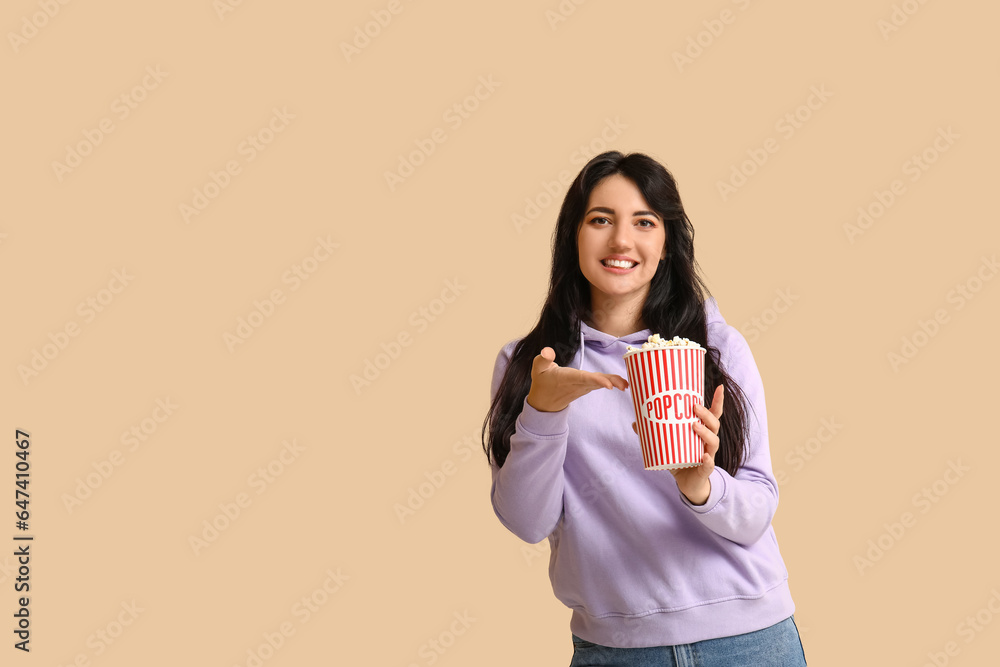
x: 618, y: 264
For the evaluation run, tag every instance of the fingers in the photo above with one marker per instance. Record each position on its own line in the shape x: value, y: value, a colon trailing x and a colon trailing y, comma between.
x: 712, y: 416
x: 544, y: 361
x: 634, y: 429
x: 708, y: 458
x: 617, y: 381
x: 605, y: 380
x: 717, y: 400
x: 708, y: 418
x: 710, y: 439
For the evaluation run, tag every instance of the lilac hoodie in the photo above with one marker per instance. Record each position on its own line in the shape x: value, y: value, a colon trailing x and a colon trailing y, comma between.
x: 637, y: 563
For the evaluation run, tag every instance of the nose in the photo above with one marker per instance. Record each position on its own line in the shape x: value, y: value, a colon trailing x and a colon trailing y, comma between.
x: 621, y: 236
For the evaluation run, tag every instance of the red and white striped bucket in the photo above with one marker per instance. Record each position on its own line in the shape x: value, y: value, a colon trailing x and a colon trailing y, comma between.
x: 666, y: 384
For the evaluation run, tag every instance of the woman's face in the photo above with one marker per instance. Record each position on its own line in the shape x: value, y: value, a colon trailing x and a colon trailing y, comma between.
x: 619, y: 224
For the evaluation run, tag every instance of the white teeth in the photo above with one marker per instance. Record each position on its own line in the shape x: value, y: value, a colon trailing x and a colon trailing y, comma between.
x: 619, y: 263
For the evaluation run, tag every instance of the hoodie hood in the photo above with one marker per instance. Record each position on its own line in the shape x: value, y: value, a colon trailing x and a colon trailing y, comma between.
x: 599, y: 341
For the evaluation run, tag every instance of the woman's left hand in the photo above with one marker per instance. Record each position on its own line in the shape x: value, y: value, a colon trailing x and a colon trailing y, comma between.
x: 693, y: 482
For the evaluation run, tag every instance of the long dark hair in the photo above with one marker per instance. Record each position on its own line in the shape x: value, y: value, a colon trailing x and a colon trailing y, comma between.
x: 674, y: 305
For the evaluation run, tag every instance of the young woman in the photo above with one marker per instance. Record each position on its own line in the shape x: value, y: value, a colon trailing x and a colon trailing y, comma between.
x: 659, y: 569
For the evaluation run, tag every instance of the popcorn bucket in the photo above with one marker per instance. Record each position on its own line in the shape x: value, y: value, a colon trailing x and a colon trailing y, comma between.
x: 666, y: 384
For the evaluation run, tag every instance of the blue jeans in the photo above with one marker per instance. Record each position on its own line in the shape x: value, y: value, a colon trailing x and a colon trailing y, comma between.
x: 776, y: 646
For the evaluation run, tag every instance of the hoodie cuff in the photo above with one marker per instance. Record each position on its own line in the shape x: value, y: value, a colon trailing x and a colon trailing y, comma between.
x: 548, y: 425
x: 715, y: 494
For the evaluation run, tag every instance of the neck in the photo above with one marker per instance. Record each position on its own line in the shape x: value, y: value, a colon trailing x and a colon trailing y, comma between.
x: 616, y: 316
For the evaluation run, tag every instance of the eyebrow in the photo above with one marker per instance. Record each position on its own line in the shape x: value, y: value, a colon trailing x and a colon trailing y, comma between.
x: 602, y: 209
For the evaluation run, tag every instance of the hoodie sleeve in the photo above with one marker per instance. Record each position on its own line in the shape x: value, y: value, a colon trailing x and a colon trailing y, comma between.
x: 740, y: 508
x: 527, y: 492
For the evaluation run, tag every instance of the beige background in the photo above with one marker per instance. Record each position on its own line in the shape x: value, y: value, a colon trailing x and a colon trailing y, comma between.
x: 333, y: 507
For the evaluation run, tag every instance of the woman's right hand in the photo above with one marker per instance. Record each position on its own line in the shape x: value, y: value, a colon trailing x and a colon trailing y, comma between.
x: 554, y: 387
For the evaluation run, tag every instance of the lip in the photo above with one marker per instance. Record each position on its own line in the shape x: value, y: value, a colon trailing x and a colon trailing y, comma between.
x: 615, y: 269
x: 624, y: 258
